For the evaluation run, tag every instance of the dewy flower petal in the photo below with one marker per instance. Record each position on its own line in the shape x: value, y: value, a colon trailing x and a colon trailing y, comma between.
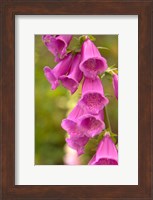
x: 93, y: 99
x: 115, y: 84
x: 77, y: 142
x: 72, y: 80
x: 70, y: 124
x: 92, y: 62
x: 106, y: 153
x: 92, y: 125
x: 57, y: 45
x: 52, y: 75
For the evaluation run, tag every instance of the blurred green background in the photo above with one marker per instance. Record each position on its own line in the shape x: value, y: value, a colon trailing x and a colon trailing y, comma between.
x: 51, y: 106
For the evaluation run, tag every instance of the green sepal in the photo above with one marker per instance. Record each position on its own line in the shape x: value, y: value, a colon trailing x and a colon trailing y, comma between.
x: 113, y: 134
x: 82, y: 39
x: 114, y: 137
x: 91, y: 38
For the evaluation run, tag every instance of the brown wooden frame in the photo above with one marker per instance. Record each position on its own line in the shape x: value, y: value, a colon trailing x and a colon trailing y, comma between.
x: 8, y: 10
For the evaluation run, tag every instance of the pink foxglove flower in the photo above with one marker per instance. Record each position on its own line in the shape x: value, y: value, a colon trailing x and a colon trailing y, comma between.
x: 93, y: 99
x: 115, y: 84
x: 81, y: 122
x: 92, y: 125
x: 72, y: 80
x: 106, y: 153
x: 77, y: 141
x: 70, y: 123
x: 52, y: 75
x: 92, y: 62
x: 57, y: 45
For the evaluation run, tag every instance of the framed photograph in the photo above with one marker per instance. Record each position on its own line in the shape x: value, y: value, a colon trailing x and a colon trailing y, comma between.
x: 76, y: 104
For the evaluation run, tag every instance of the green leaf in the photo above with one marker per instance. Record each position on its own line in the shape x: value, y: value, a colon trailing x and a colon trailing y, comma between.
x: 75, y: 49
x: 112, y: 70
x: 91, y: 146
x: 76, y: 38
x: 112, y: 66
x: 103, y: 48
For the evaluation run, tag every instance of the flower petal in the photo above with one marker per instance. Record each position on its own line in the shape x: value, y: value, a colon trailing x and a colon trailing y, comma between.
x: 93, y: 99
x: 106, y: 153
x: 92, y: 62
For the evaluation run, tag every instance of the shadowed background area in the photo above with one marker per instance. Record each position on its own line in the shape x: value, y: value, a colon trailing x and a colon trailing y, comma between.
x: 51, y: 106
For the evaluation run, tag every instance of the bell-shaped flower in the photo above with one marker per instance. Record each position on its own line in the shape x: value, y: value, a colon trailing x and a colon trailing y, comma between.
x: 72, y: 80
x: 82, y: 122
x: 92, y: 125
x: 93, y: 99
x: 70, y: 124
x: 92, y: 62
x: 57, y: 45
x: 115, y: 85
x: 106, y: 153
x: 77, y: 141
x: 62, y: 68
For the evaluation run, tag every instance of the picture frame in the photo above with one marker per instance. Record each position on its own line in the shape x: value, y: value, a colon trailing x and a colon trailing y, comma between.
x: 8, y: 10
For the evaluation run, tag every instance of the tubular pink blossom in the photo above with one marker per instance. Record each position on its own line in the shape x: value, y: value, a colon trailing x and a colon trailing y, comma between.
x: 77, y: 142
x: 70, y: 124
x: 77, y: 139
x: 93, y: 99
x: 106, y: 153
x: 52, y: 75
x: 72, y: 80
x: 92, y: 125
x: 57, y: 45
x: 92, y: 62
x: 115, y: 84
x: 81, y: 122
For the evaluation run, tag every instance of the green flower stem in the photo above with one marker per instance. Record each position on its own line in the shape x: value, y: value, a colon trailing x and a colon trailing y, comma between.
x: 106, y: 118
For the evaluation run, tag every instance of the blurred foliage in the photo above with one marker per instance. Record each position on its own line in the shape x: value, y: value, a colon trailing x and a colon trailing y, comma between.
x: 51, y: 106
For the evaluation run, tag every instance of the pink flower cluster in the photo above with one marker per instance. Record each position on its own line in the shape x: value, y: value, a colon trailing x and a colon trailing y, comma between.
x: 86, y: 120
